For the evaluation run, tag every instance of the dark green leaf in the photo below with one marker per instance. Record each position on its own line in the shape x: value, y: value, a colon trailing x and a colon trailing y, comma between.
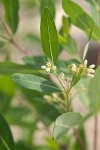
x: 11, y: 13
x: 9, y: 68
x: 6, y: 139
x: 34, y: 83
x: 47, y: 115
x: 65, y: 122
x: 23, y: 146
x: 6, y: 93
x: 35, y: 61
x: 71, y: 61
x: 49, y: 36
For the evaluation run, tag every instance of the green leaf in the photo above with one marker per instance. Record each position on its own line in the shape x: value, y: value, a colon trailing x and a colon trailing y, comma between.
x: 94, y: 5
x: 73, y: 61
x: 87, y: 45
x: 11, y: 13
x: 34, y: 83
x: 48, y: 3
x: 94, y: 92
x: 35, y: 61
x: 6, y: 139
x: 65, y: 122
x: 80, y: 18
x: 38, y: 103
x: 2, y: 44
x: 23, y: 146
x: 49, y: 36
x: 66, y: 25
x: 71, y: 46
x: 8, y: 68
x: 6, y: 93
x: 76, y: 145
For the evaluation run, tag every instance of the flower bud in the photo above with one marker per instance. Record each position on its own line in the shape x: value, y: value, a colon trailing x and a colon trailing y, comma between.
x: 85, y: 62
x: 90, y: 75
x: 43, y: 67
x: 92, y: 66
x: 47, y: 69
x: 91, y: 71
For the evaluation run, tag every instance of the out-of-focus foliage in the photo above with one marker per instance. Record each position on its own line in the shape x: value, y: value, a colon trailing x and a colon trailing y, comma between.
x: 35, y: 110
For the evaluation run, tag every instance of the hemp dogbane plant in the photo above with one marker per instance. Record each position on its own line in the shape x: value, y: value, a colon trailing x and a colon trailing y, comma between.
x: 53, y: 83
x: 74, y: 71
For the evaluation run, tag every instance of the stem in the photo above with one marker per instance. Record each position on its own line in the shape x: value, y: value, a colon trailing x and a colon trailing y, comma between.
x: 95, y: 132
x: 79, y: 139
x: 8, y: 30
x: 18, y: 47
x: 10, y: 34
x: 67, y: 94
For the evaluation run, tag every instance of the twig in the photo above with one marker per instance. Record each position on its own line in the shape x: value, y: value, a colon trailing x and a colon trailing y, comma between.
x: 95, y: 132
x: 18, y: 47
x: 10, y: 34
x: 68, y: 103
x: 79, y: 139
x: 8, y: 30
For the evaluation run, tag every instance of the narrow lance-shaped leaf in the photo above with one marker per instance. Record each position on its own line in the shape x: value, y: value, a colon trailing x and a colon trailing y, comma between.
x: 11, y: 13
x: 6, y: 139
x: 87, y: 44
x: 49, y: 36
x: 34, y: 83
x: 80, y: 18
x: 65, y: 122
x: 48, y: 3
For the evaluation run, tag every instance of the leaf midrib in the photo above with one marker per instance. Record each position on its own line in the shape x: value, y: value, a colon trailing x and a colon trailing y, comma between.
x: 81, y: 20
x: 4, y: 142
x: 39, y: 84
x: 49, y: 38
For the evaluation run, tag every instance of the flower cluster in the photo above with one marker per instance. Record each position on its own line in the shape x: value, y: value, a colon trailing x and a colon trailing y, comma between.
x: 49, y: 67
x: 83, y: 69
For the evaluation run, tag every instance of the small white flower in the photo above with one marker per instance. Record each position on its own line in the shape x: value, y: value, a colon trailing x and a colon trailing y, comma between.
x: 73, y: 67
x: 48, y: 65
x: 47, y: 70
x: 91, y: 71
x: 43, y: 67
x: 92, y: 66
x: 54, y: 68
x: 62, y: 76
x: 85, y: 63
x: 68, y: 79
x: 90, y: 75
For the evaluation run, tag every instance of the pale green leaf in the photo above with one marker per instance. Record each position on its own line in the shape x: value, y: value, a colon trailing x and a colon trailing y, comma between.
x: 94, y: 92
x: 6, y: 139
x: 87, y: 44
x: 34, y: 83
x: 86, y: 49
x: 80, y: 18
x: 65, y: 122
x: 11, y: 13
x: 49, y: 36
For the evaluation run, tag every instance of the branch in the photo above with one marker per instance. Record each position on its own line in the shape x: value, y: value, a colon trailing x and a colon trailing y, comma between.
x: 95, y: 132
x: 79, y: 139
